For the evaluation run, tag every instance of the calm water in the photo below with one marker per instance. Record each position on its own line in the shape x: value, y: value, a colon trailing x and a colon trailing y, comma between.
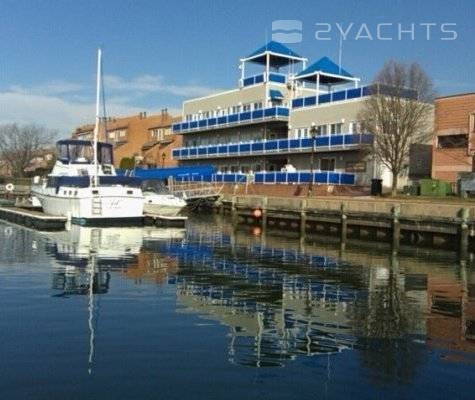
x: 213, y: 313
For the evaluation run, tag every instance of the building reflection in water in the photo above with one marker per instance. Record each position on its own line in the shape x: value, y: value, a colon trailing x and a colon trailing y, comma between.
x: 282, y: 299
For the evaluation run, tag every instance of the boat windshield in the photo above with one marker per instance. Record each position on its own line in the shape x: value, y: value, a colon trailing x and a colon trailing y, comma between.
x: 155, y: 187
x: 81, y: 152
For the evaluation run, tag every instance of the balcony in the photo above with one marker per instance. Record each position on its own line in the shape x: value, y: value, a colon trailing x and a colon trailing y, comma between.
x: 342, y: 95
x: 297, y: 177
x: 225, y: 121
x: 278, y: 146
x: 350, y: 94
x: 273, y: 77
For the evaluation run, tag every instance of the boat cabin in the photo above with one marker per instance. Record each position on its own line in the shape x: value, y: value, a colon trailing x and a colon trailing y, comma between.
x: 72, y: 151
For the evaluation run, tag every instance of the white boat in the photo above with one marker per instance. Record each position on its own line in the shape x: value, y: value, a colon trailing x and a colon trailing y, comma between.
x: 159, y: 201
x: 83, y: 184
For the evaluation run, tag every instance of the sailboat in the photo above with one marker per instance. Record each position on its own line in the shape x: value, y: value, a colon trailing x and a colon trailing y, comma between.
x: 83, y: 184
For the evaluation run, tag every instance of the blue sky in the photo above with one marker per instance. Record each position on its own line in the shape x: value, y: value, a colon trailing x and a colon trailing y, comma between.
x: 157, y: 53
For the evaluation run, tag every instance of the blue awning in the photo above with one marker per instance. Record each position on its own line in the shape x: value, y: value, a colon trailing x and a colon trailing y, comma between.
x: 275, y: 94
x: 279, y: 55
x: 327, y: 67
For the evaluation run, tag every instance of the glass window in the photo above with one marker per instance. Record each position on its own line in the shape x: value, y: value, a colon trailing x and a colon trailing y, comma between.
x: 452, y: 141
x: 321, y: 130
x: 335, y: 129
x: 327, y: 164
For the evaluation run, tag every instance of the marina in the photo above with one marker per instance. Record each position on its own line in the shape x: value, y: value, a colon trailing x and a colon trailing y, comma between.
x: 212, y: 200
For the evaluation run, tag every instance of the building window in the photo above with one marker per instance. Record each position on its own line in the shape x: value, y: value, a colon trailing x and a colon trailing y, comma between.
x: 157, y: 133
x: 321, y: 130
x: 353, y: 127
x: 258, y: 105
x: 335, y: 129
x: 452, y: 141
x: 117, y: 135
x: 236, y: 109
x: 246, y: 107
x: 327, y: 164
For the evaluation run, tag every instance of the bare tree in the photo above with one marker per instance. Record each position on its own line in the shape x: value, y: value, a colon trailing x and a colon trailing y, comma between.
x: 19, y: 143
x: 398, y: 112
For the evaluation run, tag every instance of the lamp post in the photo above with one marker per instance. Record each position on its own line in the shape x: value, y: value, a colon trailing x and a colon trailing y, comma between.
x: 163, y: 159
x: 313, y: 132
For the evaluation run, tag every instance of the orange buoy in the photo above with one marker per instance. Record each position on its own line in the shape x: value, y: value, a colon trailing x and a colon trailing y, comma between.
x: 257, y: 213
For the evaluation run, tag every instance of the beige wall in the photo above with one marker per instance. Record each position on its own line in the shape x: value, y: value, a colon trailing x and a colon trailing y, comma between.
x: 326, y: 114
x: 248, y: 94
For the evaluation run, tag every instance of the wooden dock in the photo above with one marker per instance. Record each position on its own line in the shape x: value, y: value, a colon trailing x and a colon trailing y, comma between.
x: 37, y: 219
x: 33, y: 219
x: 165, y: 221
x: 441, y: 224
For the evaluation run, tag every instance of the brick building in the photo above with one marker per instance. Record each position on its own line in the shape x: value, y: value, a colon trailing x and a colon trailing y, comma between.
x: 145, y: 138
x: 454, y: 136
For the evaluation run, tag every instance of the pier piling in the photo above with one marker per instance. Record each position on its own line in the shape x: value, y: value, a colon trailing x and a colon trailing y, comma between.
x: 396, y: 225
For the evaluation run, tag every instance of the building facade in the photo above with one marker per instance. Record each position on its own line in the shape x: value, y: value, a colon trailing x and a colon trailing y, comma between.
x: 147, y: 139
x: 454, y: 136
x: 286, y: 122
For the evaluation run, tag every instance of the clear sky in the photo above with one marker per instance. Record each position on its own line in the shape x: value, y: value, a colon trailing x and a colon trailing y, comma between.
x: 157, y: 53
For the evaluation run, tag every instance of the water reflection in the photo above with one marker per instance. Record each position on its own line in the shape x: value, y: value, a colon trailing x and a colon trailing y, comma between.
x: 281, y: 299
x: 86, y: 257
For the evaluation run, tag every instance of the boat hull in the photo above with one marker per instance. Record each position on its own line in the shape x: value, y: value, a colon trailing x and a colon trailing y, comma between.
x: 81, y: 204
x: 163, y: 204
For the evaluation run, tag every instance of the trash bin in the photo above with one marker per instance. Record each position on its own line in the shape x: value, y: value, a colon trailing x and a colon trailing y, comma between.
x: 376, y: 187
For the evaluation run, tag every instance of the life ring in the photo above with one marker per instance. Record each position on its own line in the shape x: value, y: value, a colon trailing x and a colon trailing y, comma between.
x: 9, y: 187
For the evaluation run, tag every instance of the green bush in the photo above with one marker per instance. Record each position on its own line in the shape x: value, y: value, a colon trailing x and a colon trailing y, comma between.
x: 127, y: 163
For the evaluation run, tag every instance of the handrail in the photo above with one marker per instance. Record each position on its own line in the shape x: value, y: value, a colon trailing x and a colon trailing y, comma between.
x: 231, y: 119
x: 342, y: 141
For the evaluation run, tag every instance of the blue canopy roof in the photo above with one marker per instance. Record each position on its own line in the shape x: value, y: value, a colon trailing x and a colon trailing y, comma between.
x: 177, y: 172
x: 325, y: 66
x: 274, y: 47
x: 281, y: 55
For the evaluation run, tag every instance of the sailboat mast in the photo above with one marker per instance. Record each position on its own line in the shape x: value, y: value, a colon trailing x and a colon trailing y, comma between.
x: 98, y: 117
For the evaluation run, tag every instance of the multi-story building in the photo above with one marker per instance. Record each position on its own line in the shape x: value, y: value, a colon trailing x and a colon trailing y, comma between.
x: 145, y: 138
x: 285, y: 122
x: 454, y: 136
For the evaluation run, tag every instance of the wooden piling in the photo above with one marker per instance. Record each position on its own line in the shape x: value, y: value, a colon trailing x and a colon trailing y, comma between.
x: 396, y: 226
x: 464, y: 234
x: 233, y: 210
x: 303, y: 218
x: 264, y: 213
x: 343, y: 225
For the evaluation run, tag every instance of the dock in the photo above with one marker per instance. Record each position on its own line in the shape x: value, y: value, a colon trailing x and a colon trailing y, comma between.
x: 37, y: 219
x: 165, y: 221
x: 396, y: 221
x: 33, y: 218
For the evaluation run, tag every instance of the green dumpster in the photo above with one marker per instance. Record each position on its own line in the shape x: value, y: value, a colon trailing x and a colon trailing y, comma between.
x: 434, y: 188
